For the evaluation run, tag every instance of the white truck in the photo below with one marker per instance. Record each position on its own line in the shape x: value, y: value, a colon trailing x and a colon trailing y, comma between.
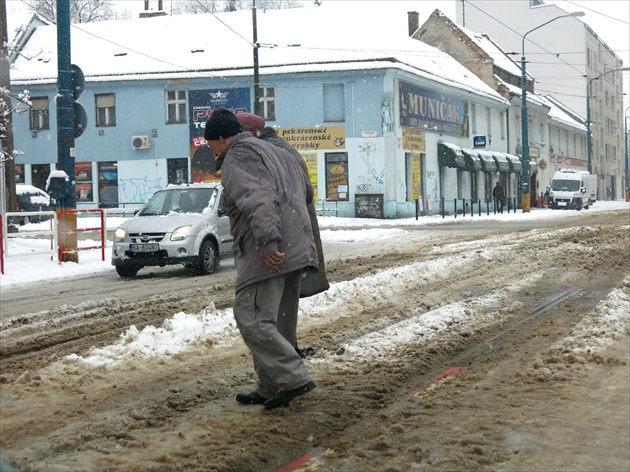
x: 572, y: 189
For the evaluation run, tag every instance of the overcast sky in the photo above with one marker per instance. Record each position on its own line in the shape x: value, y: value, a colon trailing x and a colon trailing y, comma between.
x: 610, y: 19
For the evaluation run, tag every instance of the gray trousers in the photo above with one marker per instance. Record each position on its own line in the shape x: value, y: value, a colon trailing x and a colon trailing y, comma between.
x: 266, y: 316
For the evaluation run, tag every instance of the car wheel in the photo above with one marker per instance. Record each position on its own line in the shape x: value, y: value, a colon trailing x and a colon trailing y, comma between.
x: 127, y: 271
x: 208, y: 258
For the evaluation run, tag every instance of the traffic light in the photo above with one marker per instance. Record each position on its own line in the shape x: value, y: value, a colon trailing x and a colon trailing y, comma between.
x: 80, y: 116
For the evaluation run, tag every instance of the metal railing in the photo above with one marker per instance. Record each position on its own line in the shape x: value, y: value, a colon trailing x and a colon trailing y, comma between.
x: 323, y: 210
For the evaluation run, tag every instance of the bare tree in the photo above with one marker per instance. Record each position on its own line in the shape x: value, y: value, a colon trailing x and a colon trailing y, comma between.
x: 214, y: 6
x: 82, y: 11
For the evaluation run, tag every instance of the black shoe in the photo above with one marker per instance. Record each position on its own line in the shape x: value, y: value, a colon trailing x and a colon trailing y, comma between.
x: 284, y: 397
x: 251, y: 398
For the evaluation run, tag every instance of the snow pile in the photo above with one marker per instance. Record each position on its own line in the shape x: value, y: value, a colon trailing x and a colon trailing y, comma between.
x: 591, y: 336
x: 182, y: 333
x: 588, y: 340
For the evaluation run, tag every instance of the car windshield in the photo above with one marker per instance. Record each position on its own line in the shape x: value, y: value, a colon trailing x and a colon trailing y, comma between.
x: 565, y: 185
x: 180, y: 200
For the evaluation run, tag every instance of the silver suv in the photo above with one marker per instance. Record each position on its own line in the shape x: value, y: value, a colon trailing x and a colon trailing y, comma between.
x: 180, y: 224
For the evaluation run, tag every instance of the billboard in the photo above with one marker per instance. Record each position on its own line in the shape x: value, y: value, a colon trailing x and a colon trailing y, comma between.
x: 202, y: 103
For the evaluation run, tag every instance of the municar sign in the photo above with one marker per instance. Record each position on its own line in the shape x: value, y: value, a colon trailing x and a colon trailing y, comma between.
x: 420, y: 108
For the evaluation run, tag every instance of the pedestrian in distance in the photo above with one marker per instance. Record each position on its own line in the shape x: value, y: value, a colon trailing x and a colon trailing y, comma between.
x: 499, y: 197
x: 265, y: 197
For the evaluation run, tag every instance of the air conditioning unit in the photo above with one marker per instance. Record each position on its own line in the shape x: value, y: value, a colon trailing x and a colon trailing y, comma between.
x: 140, y: 142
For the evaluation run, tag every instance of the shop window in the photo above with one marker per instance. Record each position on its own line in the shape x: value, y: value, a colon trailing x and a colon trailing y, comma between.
x: 39, y: 175
x: 177, y: 172
x: 334, y: 109
x: 105, y: 110
x: 19, y: 173
x: 337, y: 176
x: 39, y: 113
x: 84, y: 185
x: 108, y: 184
x: 176, y: 102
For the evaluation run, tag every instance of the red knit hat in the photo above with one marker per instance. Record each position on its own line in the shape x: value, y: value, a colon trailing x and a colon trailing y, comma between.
x: 251, y: 122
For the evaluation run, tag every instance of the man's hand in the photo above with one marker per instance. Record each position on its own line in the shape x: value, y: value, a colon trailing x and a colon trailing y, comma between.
x: 272, y: 259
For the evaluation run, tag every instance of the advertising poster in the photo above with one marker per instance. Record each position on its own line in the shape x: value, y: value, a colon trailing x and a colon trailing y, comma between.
x: 311, y: 165
x: 202, y: 102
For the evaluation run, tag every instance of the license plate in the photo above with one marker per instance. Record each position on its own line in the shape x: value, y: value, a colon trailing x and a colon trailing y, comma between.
x: 152, y: 247
x: 562, y: 204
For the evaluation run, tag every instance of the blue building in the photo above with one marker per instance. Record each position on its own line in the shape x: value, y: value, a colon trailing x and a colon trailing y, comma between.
x: 376, y: 114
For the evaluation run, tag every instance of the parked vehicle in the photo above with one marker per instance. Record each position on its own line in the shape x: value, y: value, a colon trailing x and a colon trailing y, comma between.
x: 180, y: 224
x: 572, y: 189
x: 31, y: 198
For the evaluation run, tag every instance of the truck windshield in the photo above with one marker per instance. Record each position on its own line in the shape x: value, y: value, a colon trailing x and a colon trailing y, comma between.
x: 565, y: 185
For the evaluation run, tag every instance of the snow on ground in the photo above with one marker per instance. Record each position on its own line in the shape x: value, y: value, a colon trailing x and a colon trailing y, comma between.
x: 32, y: 261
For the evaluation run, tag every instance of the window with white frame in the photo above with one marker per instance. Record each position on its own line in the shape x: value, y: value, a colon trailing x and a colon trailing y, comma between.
x: 334, y: 106
x: 489, y: 121
x: 105, y: 109
x: 502, y: 115
x: 268, y: 102
x: 176, y: 102
x: 473, y: 118
x: 39, y: 113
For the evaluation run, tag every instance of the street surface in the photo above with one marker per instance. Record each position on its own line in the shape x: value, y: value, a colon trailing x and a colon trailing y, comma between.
x: 453, y: 347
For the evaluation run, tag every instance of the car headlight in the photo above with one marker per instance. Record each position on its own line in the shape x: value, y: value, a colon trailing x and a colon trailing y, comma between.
x: 180, y: 233
x: 119, y: 235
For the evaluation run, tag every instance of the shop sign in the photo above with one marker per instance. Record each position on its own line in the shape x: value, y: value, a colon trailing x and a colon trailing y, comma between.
x: 413, y: 139
x: 422, y: 108
x: 314, y: 138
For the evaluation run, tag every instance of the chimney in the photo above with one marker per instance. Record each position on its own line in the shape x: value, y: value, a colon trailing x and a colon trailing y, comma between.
x: 414, y: 22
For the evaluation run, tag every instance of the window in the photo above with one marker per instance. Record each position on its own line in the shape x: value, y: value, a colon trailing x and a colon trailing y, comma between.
x: 39, y: 113
x: 105, y: 110
x: 502, y: 116
x: 334, y: 109
x: 489, y: 121
x: 473, y: 117
x: 268, y: 101
x: 175, y: 106
x: 336, y: 176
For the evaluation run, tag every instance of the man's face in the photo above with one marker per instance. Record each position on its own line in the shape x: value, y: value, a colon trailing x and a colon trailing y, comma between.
x: 218, y: 146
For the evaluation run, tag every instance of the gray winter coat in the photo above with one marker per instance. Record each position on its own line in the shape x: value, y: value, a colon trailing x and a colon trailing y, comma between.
x: 266, y: 201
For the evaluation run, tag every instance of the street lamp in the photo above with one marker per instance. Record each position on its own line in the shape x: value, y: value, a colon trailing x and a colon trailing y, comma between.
x: 625, y: 138
x: 524, y: 131
x: 589, y: 147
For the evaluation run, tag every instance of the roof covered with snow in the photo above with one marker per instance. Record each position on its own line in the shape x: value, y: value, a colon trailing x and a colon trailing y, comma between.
x: 337, y: 35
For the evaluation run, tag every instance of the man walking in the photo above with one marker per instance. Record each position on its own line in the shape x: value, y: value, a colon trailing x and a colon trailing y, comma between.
x: 266, y: 200
x: 313, y: 281
x: 499, y: 197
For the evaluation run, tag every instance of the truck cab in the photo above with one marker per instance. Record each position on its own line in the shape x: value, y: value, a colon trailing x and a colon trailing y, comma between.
x: 572, y: 189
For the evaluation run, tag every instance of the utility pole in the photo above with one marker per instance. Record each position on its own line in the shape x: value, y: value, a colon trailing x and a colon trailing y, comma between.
x: 257, y: 104
x: 7, y: 166
x: 66, y: 132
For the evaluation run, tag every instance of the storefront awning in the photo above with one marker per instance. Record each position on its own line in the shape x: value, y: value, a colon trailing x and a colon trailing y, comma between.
x: 488, y: 164
x: 502, y: 161
x: 473, y: 161
x: 515, y: 163
x: 450, y: 155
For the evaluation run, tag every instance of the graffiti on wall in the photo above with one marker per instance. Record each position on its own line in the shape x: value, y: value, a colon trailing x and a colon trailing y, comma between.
x: 138, y: 190
x: 432, y: 185
x: 374, y: 179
